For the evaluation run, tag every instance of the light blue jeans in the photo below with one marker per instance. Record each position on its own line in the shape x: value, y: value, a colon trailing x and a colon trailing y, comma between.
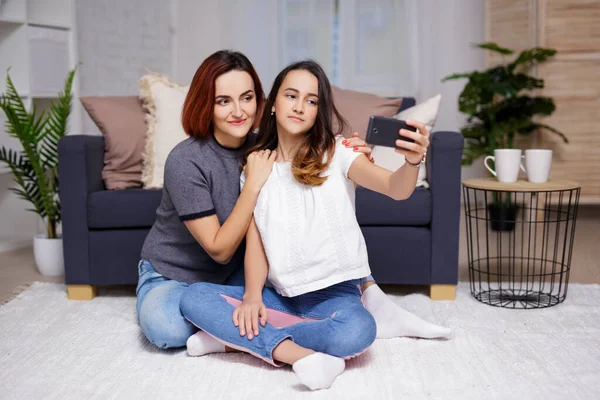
x: 158, y: 310
x: 332, y: 320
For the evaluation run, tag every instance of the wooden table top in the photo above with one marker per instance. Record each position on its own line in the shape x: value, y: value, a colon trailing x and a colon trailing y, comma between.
x: 521, y: 185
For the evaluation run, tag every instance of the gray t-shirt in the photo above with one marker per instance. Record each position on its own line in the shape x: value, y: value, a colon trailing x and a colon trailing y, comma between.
x: 202, y: 178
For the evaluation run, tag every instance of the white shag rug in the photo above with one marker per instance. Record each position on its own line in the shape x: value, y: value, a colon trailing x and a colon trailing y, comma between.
x: 53, y: 348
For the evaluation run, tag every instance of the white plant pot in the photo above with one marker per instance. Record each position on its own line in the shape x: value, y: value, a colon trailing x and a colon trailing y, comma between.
x: 48, y: 254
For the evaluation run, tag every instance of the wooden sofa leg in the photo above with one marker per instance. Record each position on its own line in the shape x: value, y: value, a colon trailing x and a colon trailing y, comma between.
x: 81, y: 292
x: 442, y: 292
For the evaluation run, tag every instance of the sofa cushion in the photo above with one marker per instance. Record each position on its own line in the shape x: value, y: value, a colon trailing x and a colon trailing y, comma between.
x: 136, y: 208
x: 374, y: 209
x: 357, y: 107
x: 163, y: 100
x: 130, y: 208
x: 121, y: 121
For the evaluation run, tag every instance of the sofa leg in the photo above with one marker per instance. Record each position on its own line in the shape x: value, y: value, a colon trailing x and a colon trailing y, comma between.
x: 81, y: 292
x: 442, y: 292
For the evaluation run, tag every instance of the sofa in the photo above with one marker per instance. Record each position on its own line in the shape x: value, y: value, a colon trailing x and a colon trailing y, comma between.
x: 410, y: 242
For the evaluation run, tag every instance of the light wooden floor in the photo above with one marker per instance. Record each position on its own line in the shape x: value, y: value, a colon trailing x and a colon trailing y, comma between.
x: 17, y: 267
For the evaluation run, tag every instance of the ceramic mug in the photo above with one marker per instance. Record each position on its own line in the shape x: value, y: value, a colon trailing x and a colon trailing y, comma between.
x: 508, y: 162
x: 537, y: 164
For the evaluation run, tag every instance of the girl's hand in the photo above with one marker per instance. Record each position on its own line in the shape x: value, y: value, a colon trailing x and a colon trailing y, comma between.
x: 247, y: 314
x: 414, y: 152
x: 258, y: 168
x: 358, y: 145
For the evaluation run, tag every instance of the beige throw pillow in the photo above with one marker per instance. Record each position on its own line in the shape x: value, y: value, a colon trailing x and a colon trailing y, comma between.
x: 163, y: 101
x: 425, y: 112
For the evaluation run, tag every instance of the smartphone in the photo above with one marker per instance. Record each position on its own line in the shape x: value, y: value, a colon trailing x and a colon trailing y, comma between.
x: 383, y: 131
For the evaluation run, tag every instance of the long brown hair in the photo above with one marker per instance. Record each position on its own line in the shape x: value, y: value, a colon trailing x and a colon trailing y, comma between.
x: 199, y: 104
x: 316, y: 152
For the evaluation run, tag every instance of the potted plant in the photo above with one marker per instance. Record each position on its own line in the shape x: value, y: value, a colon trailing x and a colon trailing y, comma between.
x: 34, y: 167
x: 500, y: 105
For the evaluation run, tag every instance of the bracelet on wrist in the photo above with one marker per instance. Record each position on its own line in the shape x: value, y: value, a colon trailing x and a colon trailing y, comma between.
x: 417, y: 165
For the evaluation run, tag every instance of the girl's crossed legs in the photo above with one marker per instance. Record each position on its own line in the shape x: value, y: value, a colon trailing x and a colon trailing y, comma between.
x: 330, y: 321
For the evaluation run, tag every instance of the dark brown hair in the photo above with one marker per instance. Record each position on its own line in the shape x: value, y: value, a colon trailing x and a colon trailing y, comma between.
x: 199, y: 105
x: 316, y: 152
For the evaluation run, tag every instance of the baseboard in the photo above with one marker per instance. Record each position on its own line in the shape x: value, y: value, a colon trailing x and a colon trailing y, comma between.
x: 8, y: 244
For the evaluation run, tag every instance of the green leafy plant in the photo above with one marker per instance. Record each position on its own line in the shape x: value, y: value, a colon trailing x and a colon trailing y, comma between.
x: 500, y: 105
x: 35, y: 167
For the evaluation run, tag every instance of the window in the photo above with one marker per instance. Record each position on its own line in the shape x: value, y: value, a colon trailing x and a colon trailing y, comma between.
x: 367, y: 45
x: 307, y: 31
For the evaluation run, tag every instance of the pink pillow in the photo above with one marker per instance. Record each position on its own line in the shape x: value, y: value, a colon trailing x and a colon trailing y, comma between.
x: 357, y: 107
x: 121, y: 121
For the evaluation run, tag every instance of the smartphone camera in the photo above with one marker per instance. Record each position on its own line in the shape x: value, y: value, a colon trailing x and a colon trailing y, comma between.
x: 375, y: 131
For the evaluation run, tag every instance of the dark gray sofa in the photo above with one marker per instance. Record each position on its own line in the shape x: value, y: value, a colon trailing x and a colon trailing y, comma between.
x: 409, y: 242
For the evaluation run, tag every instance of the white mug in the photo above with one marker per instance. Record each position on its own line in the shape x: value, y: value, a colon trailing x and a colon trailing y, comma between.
x: 508, y: 162
x: 537, y: 163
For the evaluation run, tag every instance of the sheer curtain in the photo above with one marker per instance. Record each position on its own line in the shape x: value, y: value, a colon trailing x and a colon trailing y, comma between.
x: 377, y: 46
x: 307, y: 30
x: 202, y: 27
x: 366, y: 45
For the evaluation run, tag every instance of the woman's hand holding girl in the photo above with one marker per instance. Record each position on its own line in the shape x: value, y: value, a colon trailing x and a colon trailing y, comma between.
x: 358, y: 145
x: 258, y: 168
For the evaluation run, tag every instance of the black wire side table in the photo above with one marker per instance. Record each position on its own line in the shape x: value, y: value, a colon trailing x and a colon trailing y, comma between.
x: 520, y: 240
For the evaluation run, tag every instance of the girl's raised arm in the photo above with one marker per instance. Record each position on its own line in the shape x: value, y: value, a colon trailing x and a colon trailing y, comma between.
x: 400, y: 184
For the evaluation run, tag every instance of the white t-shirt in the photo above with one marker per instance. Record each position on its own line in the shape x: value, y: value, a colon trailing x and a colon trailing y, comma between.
x: 310, y: 233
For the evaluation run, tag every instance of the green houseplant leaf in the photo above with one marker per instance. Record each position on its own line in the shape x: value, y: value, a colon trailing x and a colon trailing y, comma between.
x: 494, y: 47
x: 538, y: 54
x: 34, y: 167
x: 499, y: 104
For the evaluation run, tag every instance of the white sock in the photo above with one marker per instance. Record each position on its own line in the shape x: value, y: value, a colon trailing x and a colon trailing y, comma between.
x: 202, y: 343
x: 319, y: 370
x: 393, y: 321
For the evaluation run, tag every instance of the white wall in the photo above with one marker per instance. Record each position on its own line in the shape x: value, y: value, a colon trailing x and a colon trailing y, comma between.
x: 117, y: 41
x: 17, y: 226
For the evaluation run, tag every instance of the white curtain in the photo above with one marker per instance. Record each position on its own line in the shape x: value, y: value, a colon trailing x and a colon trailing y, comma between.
x: 366, y: 45
x: 306, y: 30
x: 203, y: 27
x: 377, y: 45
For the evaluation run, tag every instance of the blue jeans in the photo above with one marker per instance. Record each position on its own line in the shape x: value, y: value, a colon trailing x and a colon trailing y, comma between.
x: 332, y: 320
x: 158, y: 310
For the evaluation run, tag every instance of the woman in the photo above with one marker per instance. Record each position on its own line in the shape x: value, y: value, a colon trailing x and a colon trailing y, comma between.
x: 203, y: 216
x: 304, y: 236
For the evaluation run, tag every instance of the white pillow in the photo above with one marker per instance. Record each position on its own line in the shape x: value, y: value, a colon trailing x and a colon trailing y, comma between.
x: 425, y: 112
x: 163, y: 100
